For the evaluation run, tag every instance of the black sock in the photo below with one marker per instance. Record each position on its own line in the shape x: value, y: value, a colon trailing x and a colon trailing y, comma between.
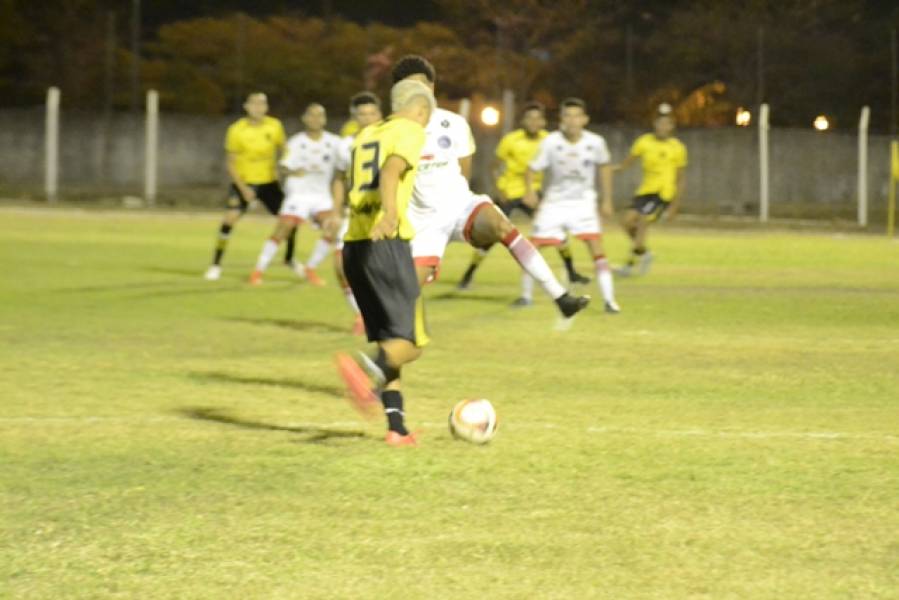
x: 291, y: 242
x: 390, y: 373
x: 224, y: 234
x: 565, y: 253
x: 393, y: 407
x: 635, y: 254
x: 469, y: 273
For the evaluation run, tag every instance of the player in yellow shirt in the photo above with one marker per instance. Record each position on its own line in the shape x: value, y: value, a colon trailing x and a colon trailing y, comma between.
x: 253, y: 145
x: 664, y: 159
x: 513, y: 154
x: 377, y: 258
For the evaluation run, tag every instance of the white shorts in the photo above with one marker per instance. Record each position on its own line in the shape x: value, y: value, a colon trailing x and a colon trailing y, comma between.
x: 434, y: 231
x: 305, y: 207
x: 554, y: 221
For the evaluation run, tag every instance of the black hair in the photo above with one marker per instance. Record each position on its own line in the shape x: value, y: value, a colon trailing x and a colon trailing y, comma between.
x: 570, y: 102
x: 413, y: 64
x: 364, y: 98
x: 533, y: 106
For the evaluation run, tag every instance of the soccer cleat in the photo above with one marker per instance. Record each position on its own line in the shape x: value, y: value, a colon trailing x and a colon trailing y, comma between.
x: 397, y: 440
x: 578, y: 278
x: 358, y: 385
x: 358, y: 326
x: 571, y: 305
x: 298, y: 268
x: 645, y: 263
x: 213, y: 273
x: 256, y: 277
x: 612, y: 307
x: 522, y: 302
x: 313, y: 278
x: 464, y: 285
x: 624, y: 271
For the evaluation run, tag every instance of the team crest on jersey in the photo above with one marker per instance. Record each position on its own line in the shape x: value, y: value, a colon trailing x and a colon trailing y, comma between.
x: 444, y: 142
x: 444, y: 123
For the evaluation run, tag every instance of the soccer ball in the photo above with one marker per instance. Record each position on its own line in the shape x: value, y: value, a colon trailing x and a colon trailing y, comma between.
x: 473, y: 421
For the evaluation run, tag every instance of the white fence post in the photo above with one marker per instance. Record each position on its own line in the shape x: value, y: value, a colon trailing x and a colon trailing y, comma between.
x: 508, y: 111
x: 863, y: 166
x: 51, y: 146
x: 152, y: 147
x: 763, y: 163
x: 465, y: 108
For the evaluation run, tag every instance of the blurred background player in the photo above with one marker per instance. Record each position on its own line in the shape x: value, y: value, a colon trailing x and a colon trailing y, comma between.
x: 309, y: 164
x: 253, y: 145
x: 515, y: 150
x: 366, y: 110
x: 444, y: 209
x: 572, y: 158
x: 663, y: 158
x: 377, y: 257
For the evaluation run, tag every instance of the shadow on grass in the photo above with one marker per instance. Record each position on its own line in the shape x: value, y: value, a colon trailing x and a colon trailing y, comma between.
x: 496, y: 298
x: 313, y: 434
x: 296, y: 384
x: 295, y: 324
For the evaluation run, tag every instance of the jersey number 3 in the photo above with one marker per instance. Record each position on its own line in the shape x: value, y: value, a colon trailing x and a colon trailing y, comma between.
x: 370, y: 171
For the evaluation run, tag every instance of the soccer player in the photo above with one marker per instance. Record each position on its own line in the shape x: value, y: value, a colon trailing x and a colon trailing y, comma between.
x: 514, y: 152
x: 309, y: 165
x: 253, y: 144
x: 443, y: 208
x: 377, y: 258
x: 573, y: 158
x: 664, y: 159
x: 366, y: 110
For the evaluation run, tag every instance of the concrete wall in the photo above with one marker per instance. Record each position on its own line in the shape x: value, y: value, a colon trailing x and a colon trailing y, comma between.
x: 812, y: 174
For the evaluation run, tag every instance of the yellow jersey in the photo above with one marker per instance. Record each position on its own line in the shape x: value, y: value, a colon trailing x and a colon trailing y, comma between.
x: 516, y: 150
x: 660, y: 159
x: 371, y: 149
x: 255, y: 148
x: 349, y: 128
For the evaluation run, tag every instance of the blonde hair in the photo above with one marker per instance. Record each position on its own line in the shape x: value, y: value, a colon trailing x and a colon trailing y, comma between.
x: 404, y: 93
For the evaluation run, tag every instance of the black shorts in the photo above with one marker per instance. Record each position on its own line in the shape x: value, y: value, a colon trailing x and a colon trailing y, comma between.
x: 511, y: 204
x: 650, y: 206
x: 269, y: 194
x: 383, y: 279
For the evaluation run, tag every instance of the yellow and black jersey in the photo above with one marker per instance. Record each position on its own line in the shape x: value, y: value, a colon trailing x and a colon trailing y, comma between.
x: 371, y: 149
x: 255, y: 147
x: 661, y: 159
x: 516, y: 150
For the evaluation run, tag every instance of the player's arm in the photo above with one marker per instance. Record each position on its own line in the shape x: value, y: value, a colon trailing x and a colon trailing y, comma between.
x: 605, y: 172
x: 681, y: 186
x: 530, y: 196
x: 625, y: 164
x: 390, y: 175
x: 338, y: 198
x: 245, y: 190
x: 465, y: 165
x: 496, y: 171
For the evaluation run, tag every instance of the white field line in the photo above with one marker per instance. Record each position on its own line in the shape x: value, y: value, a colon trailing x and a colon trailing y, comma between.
x: 634, y: 431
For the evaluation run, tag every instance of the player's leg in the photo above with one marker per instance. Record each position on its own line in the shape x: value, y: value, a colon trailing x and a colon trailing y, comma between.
x: 603, y: 271
x: 358, y: 324
x: 479, y: 254
x: 321, y: 249
x: 567, y: 258
x: 283, y: 228
x: 487, y: 225
x: 236, y: 206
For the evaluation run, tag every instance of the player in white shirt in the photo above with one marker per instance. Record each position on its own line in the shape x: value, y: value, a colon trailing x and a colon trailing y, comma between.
x: 444, y: 209
x: 365, y: 108
x: 572, y: 158
x: 309, y: 165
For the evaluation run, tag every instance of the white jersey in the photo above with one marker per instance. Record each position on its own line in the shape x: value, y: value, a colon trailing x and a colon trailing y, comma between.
x: 345, y: 153
x: 318, y: 158
x: 571, y: 168
x: 440, y: 186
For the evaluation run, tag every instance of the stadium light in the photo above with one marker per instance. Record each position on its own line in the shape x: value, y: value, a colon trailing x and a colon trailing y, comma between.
x: 821, y: 123
x: 489, y: 116
x: 744, y: 117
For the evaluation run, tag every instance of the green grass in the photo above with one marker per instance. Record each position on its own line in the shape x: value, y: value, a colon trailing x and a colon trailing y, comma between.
x: 734, y: 433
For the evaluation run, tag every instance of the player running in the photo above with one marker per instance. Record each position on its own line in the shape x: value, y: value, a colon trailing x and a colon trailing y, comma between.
x: 444, y: 209
x: 664, y: 159
x: 572, y: 157
x: 515, y: 150
x: 253, y: 145
x: 377, y: 257
x: 366, y: 110
x: 309, y: 164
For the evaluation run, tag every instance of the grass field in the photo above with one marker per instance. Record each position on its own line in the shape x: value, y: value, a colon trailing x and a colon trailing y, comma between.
x: 734, y: 433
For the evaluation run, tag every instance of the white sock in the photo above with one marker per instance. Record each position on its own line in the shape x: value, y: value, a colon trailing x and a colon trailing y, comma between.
x: 533, y: 264
x: 321, y: 250
x: 269, y: 249
x: 527, y: 286
x: 604, y: 278
x: 350, y: 299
